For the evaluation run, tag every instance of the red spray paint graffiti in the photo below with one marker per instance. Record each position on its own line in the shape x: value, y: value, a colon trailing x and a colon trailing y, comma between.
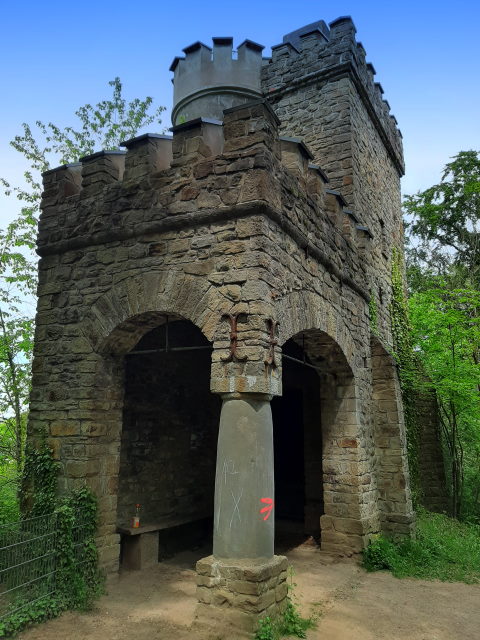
x: 268, y: 509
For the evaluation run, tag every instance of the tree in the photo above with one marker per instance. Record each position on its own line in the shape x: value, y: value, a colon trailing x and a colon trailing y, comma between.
x: 102, y: 126
x: 446, y: 336
x: 17, y: 282
x: 444, y: 226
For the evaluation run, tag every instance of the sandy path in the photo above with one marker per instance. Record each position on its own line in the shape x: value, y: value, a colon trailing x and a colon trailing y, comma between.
x: 158, y: 604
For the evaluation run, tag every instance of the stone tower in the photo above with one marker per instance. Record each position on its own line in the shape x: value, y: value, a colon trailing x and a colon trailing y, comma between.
x: 204, y: 345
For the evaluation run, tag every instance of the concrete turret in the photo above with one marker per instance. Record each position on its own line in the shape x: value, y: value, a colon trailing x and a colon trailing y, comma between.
x: 207, y: 80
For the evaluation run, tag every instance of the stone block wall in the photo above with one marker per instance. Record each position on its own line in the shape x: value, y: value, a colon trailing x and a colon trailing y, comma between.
x: 168, y: 445
x: 324, y: 92
x: 431, y: 468
x: 391, y: 445
x: 237, y: 597
x: 225, y: 231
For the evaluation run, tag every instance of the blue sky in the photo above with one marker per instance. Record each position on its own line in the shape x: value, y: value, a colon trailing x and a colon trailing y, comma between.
x: 56, y: 56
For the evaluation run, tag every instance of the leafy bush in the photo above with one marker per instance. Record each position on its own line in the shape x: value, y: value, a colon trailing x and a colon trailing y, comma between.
x: 9, y: 511
x: 69, y: 569
x: 290, y: 624
x: 444, y: 549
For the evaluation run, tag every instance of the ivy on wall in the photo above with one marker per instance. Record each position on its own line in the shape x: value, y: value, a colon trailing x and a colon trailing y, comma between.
x: 39, y: 486
x: 78, y: 580
x: 407, y: 367
x: 373, y: 313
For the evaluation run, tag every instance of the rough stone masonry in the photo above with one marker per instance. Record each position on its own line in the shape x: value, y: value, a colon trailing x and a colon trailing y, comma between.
x: 191, y: 283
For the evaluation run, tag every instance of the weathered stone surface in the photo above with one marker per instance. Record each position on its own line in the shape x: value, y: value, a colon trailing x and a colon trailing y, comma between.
x: 241, y: 248
x: 239, y: 595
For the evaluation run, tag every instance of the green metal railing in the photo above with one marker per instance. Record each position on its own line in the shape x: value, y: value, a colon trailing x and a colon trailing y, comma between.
x: 30, y: 560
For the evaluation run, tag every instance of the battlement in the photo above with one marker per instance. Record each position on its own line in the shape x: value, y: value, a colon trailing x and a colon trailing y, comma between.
x: 317, y: 53
x: 208, y: 80
x: 209, y: 171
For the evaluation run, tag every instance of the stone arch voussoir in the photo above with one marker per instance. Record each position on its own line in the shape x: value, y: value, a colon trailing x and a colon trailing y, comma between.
x: 303, y: 311
x: 119, y: 318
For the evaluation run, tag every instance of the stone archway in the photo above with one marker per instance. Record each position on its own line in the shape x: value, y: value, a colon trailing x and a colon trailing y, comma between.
x: 115, y: 324
x: 297, y: 437
x: 337, y: 474
x: 341, y: 350
x: 168, y: 441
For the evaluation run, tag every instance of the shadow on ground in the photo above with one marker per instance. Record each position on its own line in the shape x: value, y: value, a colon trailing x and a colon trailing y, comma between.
x: 159, y: 603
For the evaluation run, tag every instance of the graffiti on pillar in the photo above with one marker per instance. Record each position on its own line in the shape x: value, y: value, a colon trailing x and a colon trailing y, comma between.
x: 229, y: 470
x: 272, y: 326
x: 233, y: 356
x: 236, y: 510
x: 267, y: 510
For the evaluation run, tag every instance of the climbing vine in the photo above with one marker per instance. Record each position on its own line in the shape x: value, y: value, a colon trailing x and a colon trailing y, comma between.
x: 408, y: 366
x: 39, y: 481
x: 78, y: 578
x: 70, y: 522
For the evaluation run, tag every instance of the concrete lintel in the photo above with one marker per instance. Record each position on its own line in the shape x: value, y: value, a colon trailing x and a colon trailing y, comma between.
x: 301, y: 145
x: 175, y: 62
x: 351, y: 215
x: 146, y: 136
x: 62, y: 167
x: 196, y: 122
x: 341, y: 19
x: 102, y: 154
x: 223, y: 42
x: 338, y: 195
x: 196, y: 45
x: 320, y: 171
x: 251, y: 45
x: 366, y: 230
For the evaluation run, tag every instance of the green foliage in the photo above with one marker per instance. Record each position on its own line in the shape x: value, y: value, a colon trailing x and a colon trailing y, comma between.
x: 444, y: 549
x: 77, y: 578
x: 293, y: 624
x: 102, y: 126
x: 17, y: 283
x: 39, y: 481
x: 289, y: 624
x: 444, y: 277
x: 44, y: 608
x: 266, y: 629
x: 444, y: 229
x: 408, y: 366
x: 9, y: 507
x: 446, y: 335
x: 78, y: 588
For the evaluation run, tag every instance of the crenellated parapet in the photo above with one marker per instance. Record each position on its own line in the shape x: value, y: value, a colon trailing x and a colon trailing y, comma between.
x: 208, y: 80
x: 206, y: 172
x: 317, y: 54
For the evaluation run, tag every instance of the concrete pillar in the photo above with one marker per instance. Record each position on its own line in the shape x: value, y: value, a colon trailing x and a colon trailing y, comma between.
x: 243, y: 581
x: 244, y: 485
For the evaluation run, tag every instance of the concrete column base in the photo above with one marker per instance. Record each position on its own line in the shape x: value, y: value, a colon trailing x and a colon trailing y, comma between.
x: 234, y: 595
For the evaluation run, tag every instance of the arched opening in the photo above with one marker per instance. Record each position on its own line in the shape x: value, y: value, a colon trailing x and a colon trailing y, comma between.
x: 297, y: 448
x: 168, y: 443
x: 315, y: 445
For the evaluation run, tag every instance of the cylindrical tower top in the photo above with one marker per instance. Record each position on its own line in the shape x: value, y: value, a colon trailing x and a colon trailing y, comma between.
x: 207, y: 80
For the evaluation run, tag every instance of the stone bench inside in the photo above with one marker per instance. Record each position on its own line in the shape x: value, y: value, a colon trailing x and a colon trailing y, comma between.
x: 141, y: 547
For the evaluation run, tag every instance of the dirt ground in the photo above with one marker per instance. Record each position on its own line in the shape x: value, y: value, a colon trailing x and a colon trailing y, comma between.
x: 158, y: 604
